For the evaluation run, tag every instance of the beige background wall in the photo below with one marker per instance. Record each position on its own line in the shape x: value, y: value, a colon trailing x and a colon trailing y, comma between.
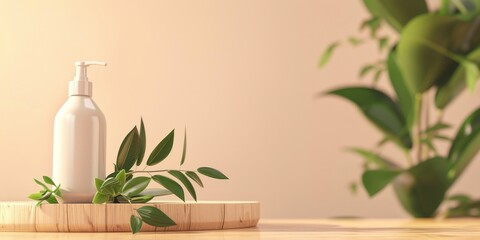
x: 241, y: 75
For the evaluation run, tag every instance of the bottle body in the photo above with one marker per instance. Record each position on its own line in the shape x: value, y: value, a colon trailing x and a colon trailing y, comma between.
x: 79, y: 148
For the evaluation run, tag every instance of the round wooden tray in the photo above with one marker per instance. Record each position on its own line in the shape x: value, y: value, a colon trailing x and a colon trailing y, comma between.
x: 26, y: 217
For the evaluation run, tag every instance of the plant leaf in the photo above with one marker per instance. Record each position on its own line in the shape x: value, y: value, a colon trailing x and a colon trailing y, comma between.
x: 382, y: 43
x: 142, y: 142
x: 100, y: 198
x: 171, y: 185
x: 471, y: 74
x: 423, y: 46
x: 366, y: 69
x: 381, y: 110
x: 52, y: 199
x: 354, y: 41
x: 48, y: 180
x: 373, y: 24
x: 195, y: 178
x: 188, y: 185
x: 396, y: 13
x: 211, y: 172
x: 36, y: 196
x: 156, y: 192
x: 98, y: 183
x: 162, y: 150
x: 110, y: 185
x: 184, y: 152
x: 121, y: 177
x: 128, y: 151
x: 327, y: 54
x: 153, y: 216
x: 374, y: 158
x: 135, y: 186
x: 377, y: 75
x: 135, y: 224
x: 405, y: 96
x: 41, y: 184
x: 465, y: 145
x: 449, y: 90
x: 437, y: 127
x: 421, y: 189
x: 141, y: 199
x: 375, y: 180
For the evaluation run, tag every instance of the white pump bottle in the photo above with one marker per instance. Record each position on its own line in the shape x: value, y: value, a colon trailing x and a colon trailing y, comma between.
x: 79, y: 140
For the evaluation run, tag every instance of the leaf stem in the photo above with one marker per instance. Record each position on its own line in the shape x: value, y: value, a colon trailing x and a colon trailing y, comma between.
x: 418, y: 99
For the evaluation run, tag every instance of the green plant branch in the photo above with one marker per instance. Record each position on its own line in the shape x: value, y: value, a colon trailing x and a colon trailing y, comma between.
x: 418, y: 103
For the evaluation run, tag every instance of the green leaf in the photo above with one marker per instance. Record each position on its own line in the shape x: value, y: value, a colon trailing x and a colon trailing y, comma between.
x: 377, y: 75
x: 184, y: 152
x: 422, y: 188
x: 195, y: 178
x: 465, y: 145
x: 98, y: 183
x: 100, y: 198
x: 426, y: 48
x: 375, y: 180
x: 327, y: 54
x: 374, y: 158
x: 110, y: 185
x: 373, y: 24
x: 135, y: 186
x: 36, y: 196
x: 171, y: 185
x: 383, y: 141
x: 471, y: 74
x: 437, y: 127
x: 162, y: 150
x: 405, y: 96
x: 188, y: 185
x: 381, y: 110
x: 121, y: 177
x: 396, y: 13
x: 156, y: 192
x: 128, y: 152
x: 52, y: 199
x: 354, y: 41
x: 142, y: 142
x: 153, y: 216
x: 449, y: 90
x: 442, y: 137
x: 135, y: 224
x: 141, y: 199
x: 366, y: 69
x: 382, y: 43
x: 41, y: 184
x: 211, y: 172
x: 48, y: 180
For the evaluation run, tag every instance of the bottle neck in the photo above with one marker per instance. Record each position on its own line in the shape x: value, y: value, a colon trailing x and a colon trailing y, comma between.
x: 80, y: 88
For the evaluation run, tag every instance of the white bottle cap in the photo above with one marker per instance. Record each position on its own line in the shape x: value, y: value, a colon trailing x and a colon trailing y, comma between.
x: 80, y: 86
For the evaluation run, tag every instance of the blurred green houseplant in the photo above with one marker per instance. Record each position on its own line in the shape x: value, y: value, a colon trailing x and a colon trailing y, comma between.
x: 434, y: 59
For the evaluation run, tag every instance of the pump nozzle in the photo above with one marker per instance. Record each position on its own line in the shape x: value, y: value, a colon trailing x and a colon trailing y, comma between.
x: 80, y: 84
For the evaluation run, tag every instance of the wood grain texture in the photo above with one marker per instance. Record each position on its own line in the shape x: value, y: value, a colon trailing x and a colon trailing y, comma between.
x: 189, y: 216
x: 367, y: 229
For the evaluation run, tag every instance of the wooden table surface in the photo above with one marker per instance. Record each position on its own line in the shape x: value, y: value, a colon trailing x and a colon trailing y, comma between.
x: 300, y: 229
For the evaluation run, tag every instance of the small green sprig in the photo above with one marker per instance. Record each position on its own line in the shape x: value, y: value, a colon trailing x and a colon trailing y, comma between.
x: 122, y: 186
x: 46, y: 194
